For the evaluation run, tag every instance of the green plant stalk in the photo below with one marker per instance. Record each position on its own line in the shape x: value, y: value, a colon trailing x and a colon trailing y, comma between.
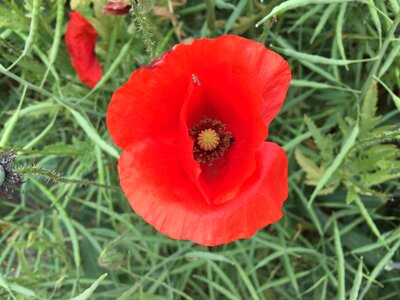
x: 53, y: 176
x: 377, y: 63
x: 210, y: 16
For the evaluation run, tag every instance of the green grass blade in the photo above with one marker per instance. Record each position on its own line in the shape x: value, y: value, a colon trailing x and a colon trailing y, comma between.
x: 321, y: 24
x: 235, y: 15
x: 340, y: 262
x: 42, y: 134
x: 208, y: 256
x: 9, y: 127
x: 287, y: 263
x: 246, y: 280
x: 378, y: 268
x: 87, y: 294
x: 310, y: 209
x: 218, y: 287
x: 111, y: 71
x: 317, y: 59
x: 4, y: 284
x: 293, y: 4
x: 92, y: 133
x: 369, y: 220
x: 357, y: 281
x: 389, y: 59
x: 375, y: 18
x: 339, y: 29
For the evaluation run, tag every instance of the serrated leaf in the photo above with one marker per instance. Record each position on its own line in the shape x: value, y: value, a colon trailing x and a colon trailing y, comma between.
x: 348, y: 144
x: 316, y: 133
x: 368, y: 110
x: 375, y: 157
x: 313, y: 172
x: 378, y: 177
x: 362, y: 190
x: 323, y: 143
x: 7, y: 19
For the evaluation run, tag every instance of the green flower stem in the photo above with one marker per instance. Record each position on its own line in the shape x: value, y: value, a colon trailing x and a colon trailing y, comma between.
x: 2, y: 175
x: 210, y: 16
x: 51, y: 175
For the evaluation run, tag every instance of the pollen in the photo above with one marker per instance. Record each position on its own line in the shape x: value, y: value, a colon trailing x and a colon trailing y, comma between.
x: 211, y: 140
x: 208, y: 139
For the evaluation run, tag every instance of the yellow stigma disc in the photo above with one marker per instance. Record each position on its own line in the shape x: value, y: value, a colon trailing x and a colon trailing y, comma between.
x: 208, y: 139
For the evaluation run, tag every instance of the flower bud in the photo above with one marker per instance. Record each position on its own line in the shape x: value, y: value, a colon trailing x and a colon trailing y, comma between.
x: 10, y: 181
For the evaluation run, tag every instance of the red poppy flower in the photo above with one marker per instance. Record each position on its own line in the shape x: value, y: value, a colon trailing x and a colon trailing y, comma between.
x: 116, y: 8
x: 192, y: 126
x: 80, y: 38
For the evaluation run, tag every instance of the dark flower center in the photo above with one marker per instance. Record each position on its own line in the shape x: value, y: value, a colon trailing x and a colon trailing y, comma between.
x: 211, y: 140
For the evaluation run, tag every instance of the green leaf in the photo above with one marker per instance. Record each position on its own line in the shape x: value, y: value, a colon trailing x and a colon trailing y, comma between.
x: 351, y: 195
x: 293, y: 4
x: 208, y: 256
x: 379, y: 267
x: 369, y: 220
x: 88, y: 293
x: 340, y: 262
x: 328, y: 11
x: 368, y: 110
x: 313, y: 172
x: 323, y: 143
x: 317, y: 59
x: 378, y: 177
x: 92, y: 133
x: 336, y: 163
x: 375, y: 18
x: 4, y: 284
x: 339, y: 29
x: 357, y: 281
x: 235, y: 15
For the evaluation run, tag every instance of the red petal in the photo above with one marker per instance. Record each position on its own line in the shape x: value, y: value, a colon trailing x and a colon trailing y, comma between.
x: 230, y: 98
x: 80, y: 38
x: 159, y: 190
x: 268, y: 71
x: 148, y: 105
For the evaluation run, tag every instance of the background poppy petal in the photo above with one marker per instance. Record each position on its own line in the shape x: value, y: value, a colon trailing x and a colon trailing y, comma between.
x: 159, y: 190
x: 80, y: 38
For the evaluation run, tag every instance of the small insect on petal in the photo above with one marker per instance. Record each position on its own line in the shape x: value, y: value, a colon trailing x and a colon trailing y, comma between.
x: 196, y: 80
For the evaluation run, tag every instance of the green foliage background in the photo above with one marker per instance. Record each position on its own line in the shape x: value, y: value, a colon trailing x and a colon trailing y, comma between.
x: 340, y: 236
